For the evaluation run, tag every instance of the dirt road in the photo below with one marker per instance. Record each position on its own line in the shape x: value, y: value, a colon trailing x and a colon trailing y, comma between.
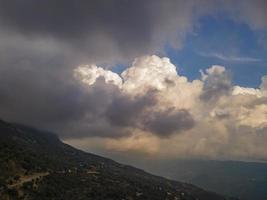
x: 25, y: 179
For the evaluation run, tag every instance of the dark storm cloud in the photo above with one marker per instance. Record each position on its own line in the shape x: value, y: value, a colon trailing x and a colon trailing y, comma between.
x: 118, y: 29
x: 126, y: 110
x: 75, y: 19
x: 80, y: 23
x: 169, y: 122
x: 50, y: 103
x: 28, y: 97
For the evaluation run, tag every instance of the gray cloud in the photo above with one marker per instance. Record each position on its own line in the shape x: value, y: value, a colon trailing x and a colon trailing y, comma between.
x: 54, y: 104
x: 263, y: 85
x: 112, y: 31
x: 168, y: 122
x: 127, y: 110
x: 118, y: 29
x: 216, y: 84
x: 80, y: 24
x: 38, y: 88
x: 41, y: 43
x: 137, y: 112
x: 252, y: 12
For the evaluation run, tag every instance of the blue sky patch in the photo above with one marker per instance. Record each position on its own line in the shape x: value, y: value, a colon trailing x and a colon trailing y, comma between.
x: 221, y: 41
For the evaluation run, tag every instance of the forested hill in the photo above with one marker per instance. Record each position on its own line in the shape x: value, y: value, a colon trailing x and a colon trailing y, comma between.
x: 36, y: 165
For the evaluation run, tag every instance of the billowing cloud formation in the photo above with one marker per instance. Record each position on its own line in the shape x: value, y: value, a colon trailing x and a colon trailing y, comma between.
x: 89, y: 75
x: 149, y: 107
x: 137, y: 103
x: 168, y: 115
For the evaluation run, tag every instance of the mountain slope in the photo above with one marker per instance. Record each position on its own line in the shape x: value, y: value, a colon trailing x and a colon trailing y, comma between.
x: 37, y: 165
x: 246, y: 180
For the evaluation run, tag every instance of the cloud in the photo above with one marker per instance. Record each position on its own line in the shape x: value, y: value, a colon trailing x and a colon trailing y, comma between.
x: 263, y: 85
x: 126, y: 110
x: 102, y: 31
x: 230, y: 58
x: 168, y: 122
x: 44, y: 81
x: 247, y: 91
x: 203, y: 118
x: 147, y: 109
x: 252, y: 12
x: 259, y: 92
x: 89, y: 74
x: 149, y: 72
x: 138, y: 104
x: 217, y: 82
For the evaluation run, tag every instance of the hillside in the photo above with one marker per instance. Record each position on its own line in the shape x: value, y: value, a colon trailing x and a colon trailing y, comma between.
x: 37, y: 165
x: 246, y: 180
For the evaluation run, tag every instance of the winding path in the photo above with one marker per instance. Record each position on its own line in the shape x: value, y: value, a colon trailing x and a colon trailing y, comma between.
x: 25, y: 179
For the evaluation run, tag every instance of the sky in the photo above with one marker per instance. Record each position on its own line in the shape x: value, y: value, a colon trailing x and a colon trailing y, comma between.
x: 241, y: 51
x: 162, y: 79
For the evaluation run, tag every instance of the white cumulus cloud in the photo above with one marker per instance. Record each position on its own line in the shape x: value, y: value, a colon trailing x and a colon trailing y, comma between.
x: 90, y: 73
x: 168, y: 115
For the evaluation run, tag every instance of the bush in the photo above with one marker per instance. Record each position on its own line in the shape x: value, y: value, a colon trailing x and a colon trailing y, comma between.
x: 12, y: 192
